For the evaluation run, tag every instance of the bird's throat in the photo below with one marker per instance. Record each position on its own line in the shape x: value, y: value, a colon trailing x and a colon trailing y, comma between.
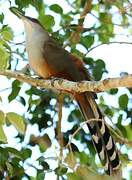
x: 35, y: 40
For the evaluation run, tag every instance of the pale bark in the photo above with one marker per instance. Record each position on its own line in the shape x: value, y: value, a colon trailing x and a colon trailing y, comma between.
x: 70, y: 86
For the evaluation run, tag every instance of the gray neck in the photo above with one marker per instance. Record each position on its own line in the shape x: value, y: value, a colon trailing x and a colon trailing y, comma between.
x: 36, y: 36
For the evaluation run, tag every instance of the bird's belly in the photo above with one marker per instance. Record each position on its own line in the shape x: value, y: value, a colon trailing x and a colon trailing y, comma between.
x: 40, y: 67
x: 37, y: 62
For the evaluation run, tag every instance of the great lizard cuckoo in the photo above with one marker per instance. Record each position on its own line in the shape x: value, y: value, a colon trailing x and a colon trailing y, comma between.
x: 48, y: 59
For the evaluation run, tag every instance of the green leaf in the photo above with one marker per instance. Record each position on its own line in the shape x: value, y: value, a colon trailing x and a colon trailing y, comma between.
x: 16, y: 161
x: 39, y: 5
x: 113, y: 91
x: 2, y: 117
x: 41, y: 176
x: 10, y: 169
x: 22, y: 100
x: 129, y: 132
x: 105, y: 32
x: 122, y: 128
x: 83, y: 157
x: 3, y: 137
x: 106, y: 18
x: 123, y: 101
x: 125, y: 20
x: 56, y: 8
x: 4, y: 58
x: 100, y: 63
x: 73, y: 176
x: 44, y: 141
x: 85, y: 174
x: 87, y: 41
x: 17, y: 121
x: 14, y: 152
x: 26, y: 153
x: 47, y: 21
x: 124, y: 158
x: 23, y: 3
x: 32, y: 178
x: 71, y: 160
x: 89, y: 61
x: 20, y: 172
x: 60, y: 170
x: 74, y: 116
x: 3, y: 156
x: 99, y: 69
x: 43, y: 163
x: 109, y: 112
x: 1, y: 17
x: 16, y: 86
x: 66, y: 19
x: 7, y: 33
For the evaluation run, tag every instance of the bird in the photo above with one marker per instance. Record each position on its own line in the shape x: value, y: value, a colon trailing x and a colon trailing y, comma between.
x: 48, y: 59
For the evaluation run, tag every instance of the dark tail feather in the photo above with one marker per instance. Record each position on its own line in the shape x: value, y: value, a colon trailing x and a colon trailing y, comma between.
x: 102, y: 140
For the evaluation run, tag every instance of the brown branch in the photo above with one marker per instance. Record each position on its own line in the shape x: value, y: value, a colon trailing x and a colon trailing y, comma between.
x: 59, y: 133
x: 79, y: 128
x: 65, y: 85
x: 75, y: 36
x: 87, y: 8
x: 70, y: 86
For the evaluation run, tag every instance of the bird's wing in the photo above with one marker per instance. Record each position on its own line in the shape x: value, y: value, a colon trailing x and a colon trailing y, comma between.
x: 63, y: 64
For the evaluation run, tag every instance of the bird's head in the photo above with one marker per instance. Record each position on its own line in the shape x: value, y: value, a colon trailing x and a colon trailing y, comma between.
x: 31, y: 24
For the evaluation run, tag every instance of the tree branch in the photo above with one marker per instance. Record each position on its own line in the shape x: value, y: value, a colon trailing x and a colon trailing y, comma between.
x: 118, y: 138
x: 59, y: 129
x: 70, y: 86
x: 108, y: 43
x: 75, y: 36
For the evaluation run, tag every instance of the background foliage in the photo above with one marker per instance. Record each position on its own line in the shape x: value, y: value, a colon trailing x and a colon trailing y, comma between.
x: 41, y: 105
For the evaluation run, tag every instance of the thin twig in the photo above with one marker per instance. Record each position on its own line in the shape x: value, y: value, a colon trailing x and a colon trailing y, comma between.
x: 16, y: 44
x: 79, y: 128
x: 87, y: 9
x: 59, y: 133
x: 114, y: 42
x: 5, y: 89
x: 119, y: 139
x: 75, y: 36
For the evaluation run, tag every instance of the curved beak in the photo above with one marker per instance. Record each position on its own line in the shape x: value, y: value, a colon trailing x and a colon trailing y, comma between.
x: 17, y: 12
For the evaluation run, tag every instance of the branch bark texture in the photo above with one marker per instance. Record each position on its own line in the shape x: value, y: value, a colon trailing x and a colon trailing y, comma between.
x: 70, y: 86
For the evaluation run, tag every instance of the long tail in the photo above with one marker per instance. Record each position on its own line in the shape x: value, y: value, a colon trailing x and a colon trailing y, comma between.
x: 102, y: 140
